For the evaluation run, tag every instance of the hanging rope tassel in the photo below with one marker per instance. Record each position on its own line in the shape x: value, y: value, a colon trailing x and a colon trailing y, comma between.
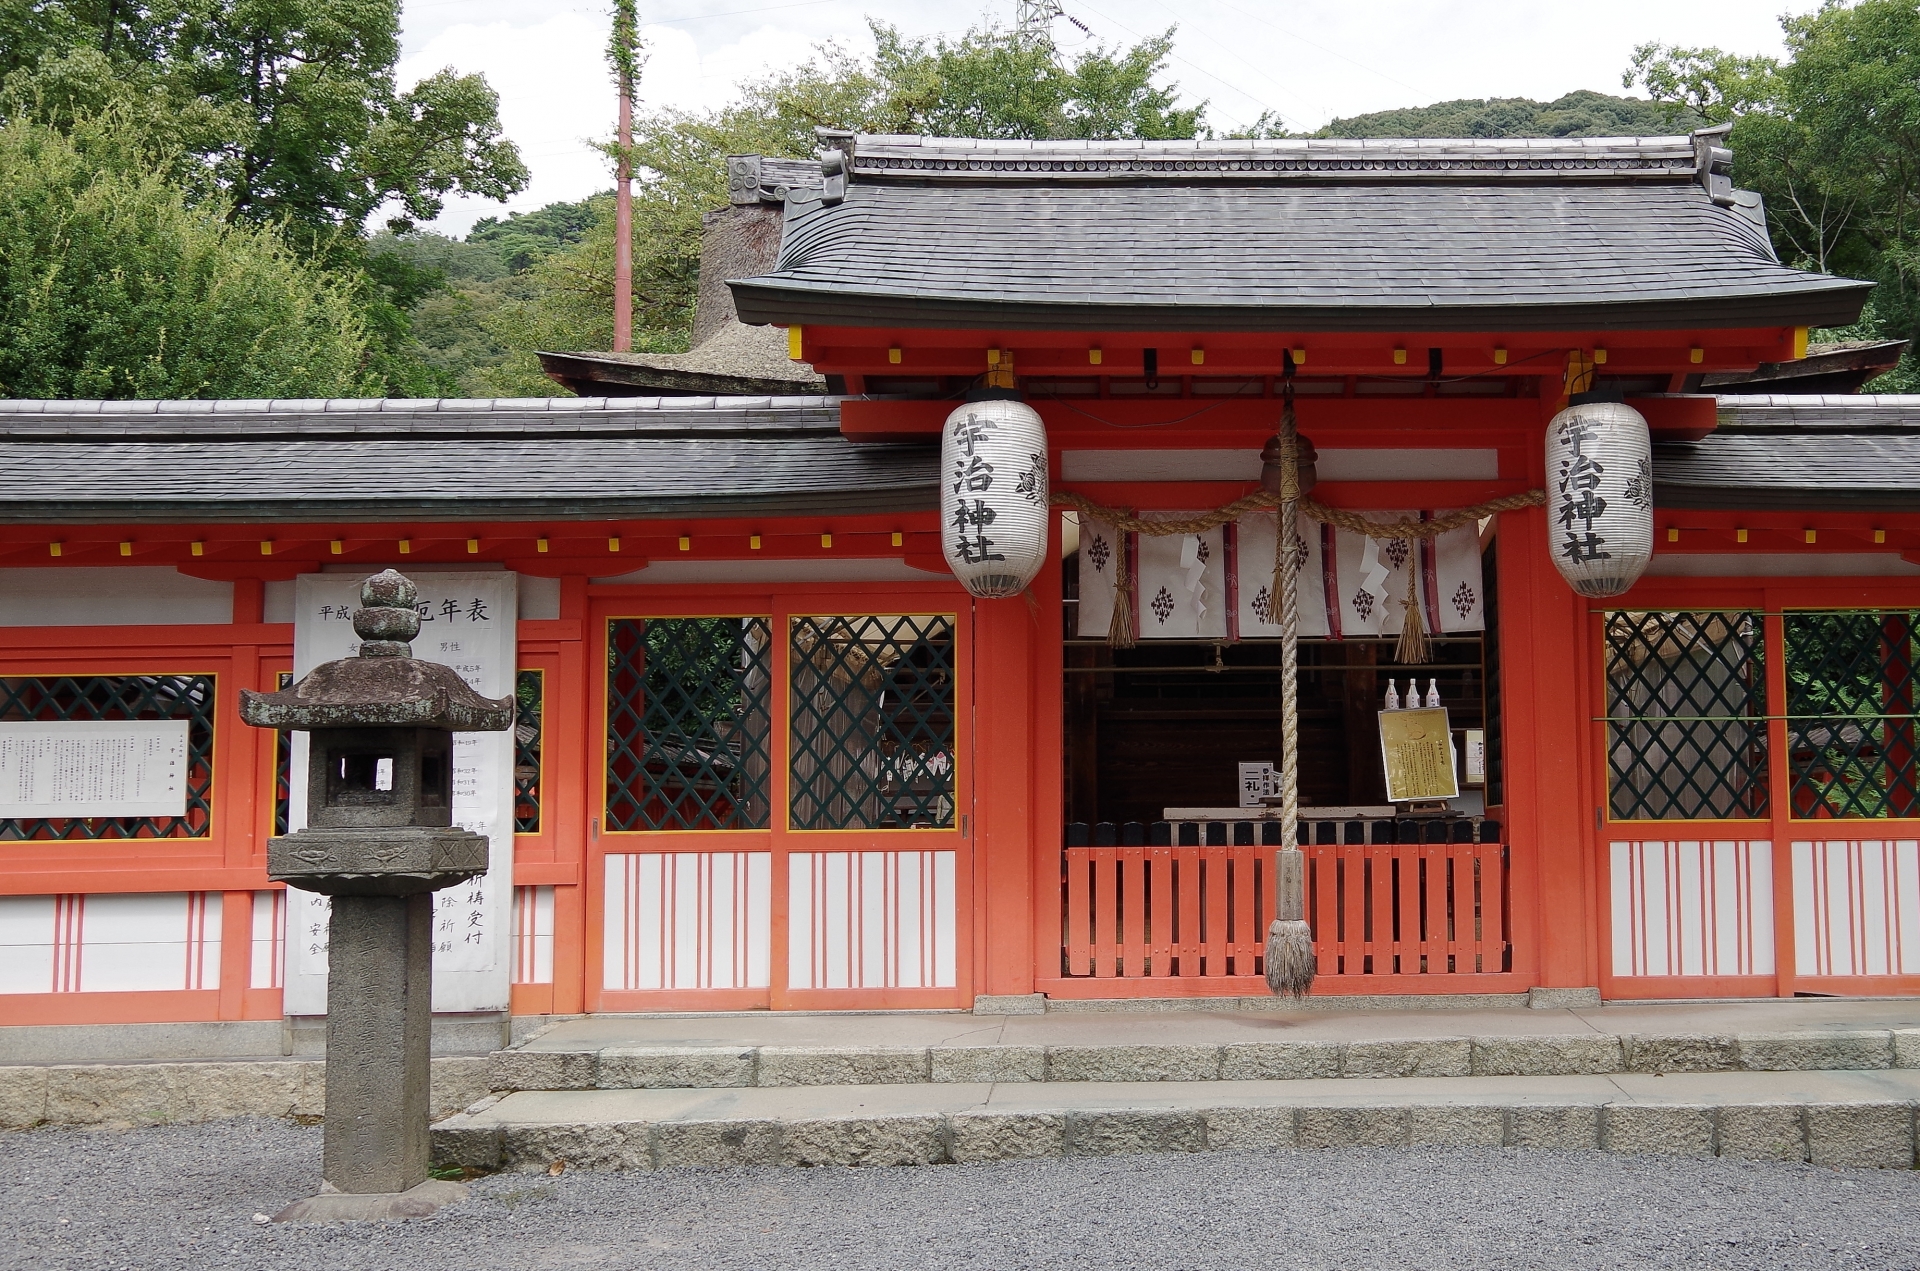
x: 1290, y: 963
x: 1120, y: 629
x: 1414, y: 647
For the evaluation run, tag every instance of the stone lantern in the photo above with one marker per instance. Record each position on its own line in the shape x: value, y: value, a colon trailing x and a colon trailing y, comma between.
x: 380, y: 840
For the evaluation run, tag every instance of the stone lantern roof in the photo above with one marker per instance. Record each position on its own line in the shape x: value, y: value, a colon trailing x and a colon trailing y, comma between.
x: 385, y: 686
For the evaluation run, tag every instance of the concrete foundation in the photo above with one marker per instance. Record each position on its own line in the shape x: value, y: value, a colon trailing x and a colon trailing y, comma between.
x: 418, y: 1201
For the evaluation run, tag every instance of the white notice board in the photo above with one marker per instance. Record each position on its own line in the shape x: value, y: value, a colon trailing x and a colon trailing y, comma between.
x: 131, y: 767
x: 467, y: 622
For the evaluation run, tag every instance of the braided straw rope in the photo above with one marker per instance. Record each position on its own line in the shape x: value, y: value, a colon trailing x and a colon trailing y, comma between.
x: 1289, y: 598
x: 1290, y: 963
x: 1289, y: 958
x: 1260, y: 500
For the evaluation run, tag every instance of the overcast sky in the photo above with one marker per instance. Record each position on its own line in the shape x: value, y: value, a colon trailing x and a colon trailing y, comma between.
x: 1308, y: 60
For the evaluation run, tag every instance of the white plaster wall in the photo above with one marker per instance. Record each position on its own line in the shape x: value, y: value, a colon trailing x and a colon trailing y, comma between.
x: 1780, y: 565
x: 1244, y: 465
x: 539, y: 597
x: 846, y: 570
x: 110, y: 596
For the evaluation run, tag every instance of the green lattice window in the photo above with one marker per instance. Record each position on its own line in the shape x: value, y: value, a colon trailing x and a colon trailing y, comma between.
x: 529, y: 689
x: 1686, y: 716
x: 120, y: 697
x: 872, y: 722
x: 1851, y: 686
x: 687, y: 723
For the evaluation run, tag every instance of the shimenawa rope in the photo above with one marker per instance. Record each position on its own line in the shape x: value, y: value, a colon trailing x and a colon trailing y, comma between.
x: 1414, y: 646
x: 1289, y: 953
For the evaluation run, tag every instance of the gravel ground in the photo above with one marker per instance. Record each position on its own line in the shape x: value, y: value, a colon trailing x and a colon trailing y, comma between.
x: 186, y: 1197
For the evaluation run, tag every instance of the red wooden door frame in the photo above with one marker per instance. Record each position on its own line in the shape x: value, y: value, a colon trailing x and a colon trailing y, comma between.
x: 780, y: 604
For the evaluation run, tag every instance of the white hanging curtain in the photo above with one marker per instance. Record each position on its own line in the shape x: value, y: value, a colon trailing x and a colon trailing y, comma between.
x: 1180, y: 590
x: 1101, y: 551
x: 1257, y: 615
x: 1219, y: 585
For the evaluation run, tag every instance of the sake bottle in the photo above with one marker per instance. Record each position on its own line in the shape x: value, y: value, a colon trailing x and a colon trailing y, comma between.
x: 1393, y: 694
x: 1433, y: 694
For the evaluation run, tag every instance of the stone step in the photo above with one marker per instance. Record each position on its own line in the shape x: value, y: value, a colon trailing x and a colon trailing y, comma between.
x: 131, y: 1094
x: 1838, y: 1118
x: 701, y: 1064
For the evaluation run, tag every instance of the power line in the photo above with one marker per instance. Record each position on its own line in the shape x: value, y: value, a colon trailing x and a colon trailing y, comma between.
x: 1290, y: 33
x: 1232, y: 88
x: 1231, y: 52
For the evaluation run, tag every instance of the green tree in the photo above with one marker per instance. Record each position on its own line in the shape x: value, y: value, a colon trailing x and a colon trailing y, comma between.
x: 280, y: 113
x: 112, y: 284
x: 990, y: 82
x: 1577, y: 114
x: 525, y: 237
x: 1831, y: 137
x: 289, y: 107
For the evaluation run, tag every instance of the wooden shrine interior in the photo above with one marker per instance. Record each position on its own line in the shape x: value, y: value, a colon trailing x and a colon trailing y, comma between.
x: 1167, y: 722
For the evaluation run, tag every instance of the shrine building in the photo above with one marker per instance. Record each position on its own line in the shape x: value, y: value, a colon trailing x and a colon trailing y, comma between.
x: 771, y: 754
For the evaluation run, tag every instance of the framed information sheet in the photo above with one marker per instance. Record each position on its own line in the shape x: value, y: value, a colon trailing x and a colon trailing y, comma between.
x: 1416, y: 748
x: 75, y: 768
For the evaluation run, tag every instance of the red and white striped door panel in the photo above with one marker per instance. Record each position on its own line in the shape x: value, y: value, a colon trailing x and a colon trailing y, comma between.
x: 117, y: 943
x: 533, y: 935
x: 269, y: 955
x: 688, y: 920
x: 1692, y: 907
x: 870, y: 920
x: 1856, y: 906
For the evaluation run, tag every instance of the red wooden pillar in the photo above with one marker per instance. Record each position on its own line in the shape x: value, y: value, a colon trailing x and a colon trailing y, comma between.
x: 573, y: 792
x: 1551, y: 784
x: 1016, y: 805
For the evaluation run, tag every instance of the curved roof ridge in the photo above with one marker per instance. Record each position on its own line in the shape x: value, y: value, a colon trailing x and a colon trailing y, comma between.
x: 881, y: 156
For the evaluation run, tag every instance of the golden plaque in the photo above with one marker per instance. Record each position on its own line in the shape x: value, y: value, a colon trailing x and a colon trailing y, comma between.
x: 1417, y: 748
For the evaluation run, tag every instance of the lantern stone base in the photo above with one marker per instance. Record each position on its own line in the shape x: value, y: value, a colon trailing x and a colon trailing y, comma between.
x: 418, y: 1201
x: 395, y: 861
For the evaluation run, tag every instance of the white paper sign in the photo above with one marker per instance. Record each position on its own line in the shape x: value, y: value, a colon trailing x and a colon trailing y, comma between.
x: 133, y: 767
x: 467, y: 622
x: 1258, y: 782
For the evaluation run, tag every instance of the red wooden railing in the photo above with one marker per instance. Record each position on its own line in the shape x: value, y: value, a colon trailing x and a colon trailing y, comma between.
x: 1181, y: 900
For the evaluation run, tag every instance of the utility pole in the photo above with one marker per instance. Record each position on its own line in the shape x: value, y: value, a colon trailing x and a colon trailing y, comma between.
x: 623, y: 50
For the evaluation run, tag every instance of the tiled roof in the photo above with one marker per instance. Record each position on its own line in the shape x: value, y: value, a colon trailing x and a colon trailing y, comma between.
x: 1494, y: 235
x: 633, y: 457
x: 1801, y: 453
x: 374, y: 460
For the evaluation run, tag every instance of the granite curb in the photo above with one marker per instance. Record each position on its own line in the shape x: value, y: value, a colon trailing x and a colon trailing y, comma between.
x: 1843, y: 1135
x: 118, y: 1096
x: 1592, y: 1053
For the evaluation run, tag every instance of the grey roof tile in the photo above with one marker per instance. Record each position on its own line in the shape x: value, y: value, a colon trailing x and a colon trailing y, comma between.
x: 1806, y: 453
x: 1277, y: 257
x: 629, y: 457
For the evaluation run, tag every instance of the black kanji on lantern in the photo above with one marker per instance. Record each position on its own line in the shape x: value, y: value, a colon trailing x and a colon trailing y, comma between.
x: 970, y: 519
x: 1579, y: 483
x: 971, y: 472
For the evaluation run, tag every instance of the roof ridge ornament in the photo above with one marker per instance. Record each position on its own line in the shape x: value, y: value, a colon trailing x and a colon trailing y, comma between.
x: 1713, y: 163
x: 836, y: 163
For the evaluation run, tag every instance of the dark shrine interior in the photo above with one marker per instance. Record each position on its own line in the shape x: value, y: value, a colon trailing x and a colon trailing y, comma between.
x: 1168, y: 722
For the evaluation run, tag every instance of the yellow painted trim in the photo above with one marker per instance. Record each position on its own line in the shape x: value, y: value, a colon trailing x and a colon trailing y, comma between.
x: 795, y: 335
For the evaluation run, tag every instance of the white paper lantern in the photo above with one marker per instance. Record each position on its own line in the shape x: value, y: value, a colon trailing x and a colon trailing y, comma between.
x: 993, y: 496
x: 1600, y: 497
